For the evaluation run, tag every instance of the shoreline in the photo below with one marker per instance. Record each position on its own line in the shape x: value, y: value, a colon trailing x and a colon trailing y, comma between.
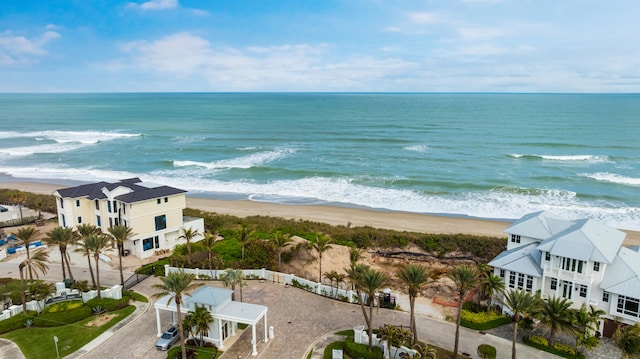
x: 335, y: 215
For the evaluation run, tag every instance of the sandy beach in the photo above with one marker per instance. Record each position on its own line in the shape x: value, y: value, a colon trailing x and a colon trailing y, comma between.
x: 335, y: 215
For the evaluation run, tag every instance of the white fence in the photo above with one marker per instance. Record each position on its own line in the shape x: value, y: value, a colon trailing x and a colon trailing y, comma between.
x: 345, y: 295
x: 360, y: 336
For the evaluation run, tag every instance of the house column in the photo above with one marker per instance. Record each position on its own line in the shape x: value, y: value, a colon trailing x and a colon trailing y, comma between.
x: 158, y: 322
x: 266, y: 332
x: 253, y: 340
x: 220, y: 339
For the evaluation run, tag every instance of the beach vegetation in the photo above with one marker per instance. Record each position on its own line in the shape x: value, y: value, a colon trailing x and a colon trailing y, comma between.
x: 40, y: 202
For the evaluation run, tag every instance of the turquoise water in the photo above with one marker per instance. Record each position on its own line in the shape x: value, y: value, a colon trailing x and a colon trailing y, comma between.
x: 481, y: 155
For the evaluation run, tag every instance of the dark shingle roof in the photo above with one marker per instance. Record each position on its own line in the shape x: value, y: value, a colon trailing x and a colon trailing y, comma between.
x: 139, y: 193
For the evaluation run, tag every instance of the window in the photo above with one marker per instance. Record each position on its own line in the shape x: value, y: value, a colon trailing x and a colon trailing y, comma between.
x: 98, y: 222
x: 572, y: 265
x: 64, y: 221
x: 605, y: 296
x: 158, y: 200
x: 77, y: 203
x: 583, y: 291
x: 628, y: 306
x: 529, y: 287
x: 115, y: 207
x: 512, y: 280
x: 515, y: 238
x: 109, y: 206
x: 596, y: 266
x: 547, y: 256
x: 520, y: 280
x: 61, y: 203
x: 147, y: 244
x: 116, y: 221
x: 166, y: 199
x: 161, y: 222
x: 79, y: 220
x: 554, y: 284
x: 97, y: 204
x: 502, y: 273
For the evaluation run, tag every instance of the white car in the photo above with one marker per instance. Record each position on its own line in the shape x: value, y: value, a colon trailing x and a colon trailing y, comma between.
x: 168, y: 338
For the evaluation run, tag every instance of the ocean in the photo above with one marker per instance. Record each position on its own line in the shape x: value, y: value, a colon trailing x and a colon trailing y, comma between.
x: 495, y: 156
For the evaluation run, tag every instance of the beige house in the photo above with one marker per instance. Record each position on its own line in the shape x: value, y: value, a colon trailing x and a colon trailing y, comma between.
x: 153, y: 212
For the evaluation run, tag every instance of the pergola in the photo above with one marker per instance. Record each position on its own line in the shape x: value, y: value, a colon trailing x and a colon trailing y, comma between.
x: 221, y: 310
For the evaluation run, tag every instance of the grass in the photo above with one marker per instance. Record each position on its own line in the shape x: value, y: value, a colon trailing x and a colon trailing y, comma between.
x: 37, y: 343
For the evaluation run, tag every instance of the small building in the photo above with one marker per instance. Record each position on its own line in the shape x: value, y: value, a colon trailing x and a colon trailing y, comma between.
x: 581, y: 260
x: 226, y: 314
x: 153, y: 212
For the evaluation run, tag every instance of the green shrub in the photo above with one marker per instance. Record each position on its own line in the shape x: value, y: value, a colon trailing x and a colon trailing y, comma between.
x: 356, y: 350
x: 108, y: 304
x: 15, y: 322
x: 56, y: 319
x: 328, y: 350
x: 486, y: 351
x: 564, y: 348
x: 482, y: 321
x: 562, y: 352
x: 156, y: 268
x: 63, y: 306
x: 539, y: 340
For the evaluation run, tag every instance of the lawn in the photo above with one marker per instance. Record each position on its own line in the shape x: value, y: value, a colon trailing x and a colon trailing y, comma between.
x: 38, y: 343
x: 202, y: 352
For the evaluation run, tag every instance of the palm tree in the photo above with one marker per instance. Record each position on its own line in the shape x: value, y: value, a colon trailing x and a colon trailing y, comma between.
x: 521, y: 304
x: 39, y: 261
x: 188, y: 235
x: 175, y: 285
x: 97, y: 243
x: 41, y: 291
x: 280, y: 241
x: 63, y: 236
x: 491, y: 286
x: 627, y: 339
x: 414, y: 277
x: 395, y: 337
x: 20, y: 198
x: 25, y: 235
x: 245, y: 235
x: 120, y: 235
x: 585, y: 322
x: 199, y: 322
x: 321, y: 245
x: 355, y: 255
x: 465, y: 278
x: 209, y: 241
x: 367, y: 282
x: 555, y: 316
x: 86, y: 230
x: 233, y: 278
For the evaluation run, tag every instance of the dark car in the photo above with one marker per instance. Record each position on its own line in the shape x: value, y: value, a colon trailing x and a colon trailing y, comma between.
x: 3, y: 209
x: 168, y: 338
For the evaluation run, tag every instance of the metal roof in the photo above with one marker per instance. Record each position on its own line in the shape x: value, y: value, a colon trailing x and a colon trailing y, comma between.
x: 585, y: 240
x: 623, y: 275
x: 538, y: 225
x: 211, y: 296
x: 524, y: 259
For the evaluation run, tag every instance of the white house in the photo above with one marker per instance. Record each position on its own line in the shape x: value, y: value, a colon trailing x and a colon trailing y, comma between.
x: 153, y: 212
x: 582, y: 260
x: 225, y: 312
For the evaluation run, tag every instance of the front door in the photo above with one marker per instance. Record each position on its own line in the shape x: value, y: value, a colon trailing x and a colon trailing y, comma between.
x: 567, y: 289
x: 225, y: 331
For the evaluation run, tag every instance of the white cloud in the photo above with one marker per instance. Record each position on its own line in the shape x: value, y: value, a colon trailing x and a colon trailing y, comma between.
x: 479, y: 33
x: 156, y: 5
x: 16, y: 49
x: 424, y: 17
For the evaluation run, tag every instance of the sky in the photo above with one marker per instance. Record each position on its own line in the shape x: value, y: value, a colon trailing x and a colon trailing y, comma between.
x: 582, y: 46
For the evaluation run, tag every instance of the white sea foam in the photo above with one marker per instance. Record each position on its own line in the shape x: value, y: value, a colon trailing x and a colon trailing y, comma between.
x: 85, y: 137
x: 47, y: 148
x: 500, y: 203
x: 417, y: 148
x: 613, y: 178
x: 248, y: 161
x: 575, y: 158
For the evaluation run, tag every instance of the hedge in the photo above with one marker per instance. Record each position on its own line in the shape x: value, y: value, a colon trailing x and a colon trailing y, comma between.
x: 356, y: 350
x: 108, y: 304
x: 56, y: 319
x: 486, y: 351
x: 16, y: 322
x: 482, y: 321
x: 560, y: 352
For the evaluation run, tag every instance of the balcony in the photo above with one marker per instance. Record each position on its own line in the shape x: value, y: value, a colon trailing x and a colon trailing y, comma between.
x: 566, y: 275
